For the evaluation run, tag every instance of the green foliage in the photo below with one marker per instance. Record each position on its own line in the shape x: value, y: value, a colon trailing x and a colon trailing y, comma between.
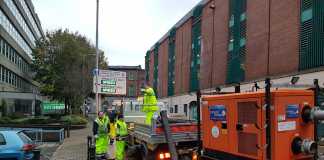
x: 5, y: 120
x: 74, y: 120
x: 63, y: 63
x: 3, y: 107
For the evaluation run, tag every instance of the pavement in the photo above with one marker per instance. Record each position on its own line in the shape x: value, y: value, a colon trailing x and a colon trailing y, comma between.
x: 74, y: 147
x: 47, y: 150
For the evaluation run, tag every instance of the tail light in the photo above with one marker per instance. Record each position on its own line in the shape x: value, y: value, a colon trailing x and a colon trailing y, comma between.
x: 161, y: 156
x: 194, y: 156
x: 28, y: 147
x: 165, y: 155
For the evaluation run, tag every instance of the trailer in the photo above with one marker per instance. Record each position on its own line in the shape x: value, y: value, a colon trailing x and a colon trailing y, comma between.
x: 166, y: 138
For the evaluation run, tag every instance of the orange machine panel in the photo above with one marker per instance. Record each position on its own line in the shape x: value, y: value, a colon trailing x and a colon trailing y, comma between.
x: 234, y: 125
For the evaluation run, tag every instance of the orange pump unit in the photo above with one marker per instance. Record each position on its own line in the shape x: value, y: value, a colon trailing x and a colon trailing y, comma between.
x: 234, y: 126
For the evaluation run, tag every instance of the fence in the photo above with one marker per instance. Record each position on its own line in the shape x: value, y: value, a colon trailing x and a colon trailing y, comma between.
x: 40, y: 136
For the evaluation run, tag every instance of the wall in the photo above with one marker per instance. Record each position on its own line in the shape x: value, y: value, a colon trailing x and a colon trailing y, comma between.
x: 163, y: 69
x: 257, y: 39
x: 186, y: 56
x: 284, y: 44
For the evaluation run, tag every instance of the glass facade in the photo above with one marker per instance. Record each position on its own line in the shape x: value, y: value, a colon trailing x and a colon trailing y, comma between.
x: 12, y: 31
x: 12, y: 79
x: 30, y: 17
x: 12, y: 55
x: 14, y: 10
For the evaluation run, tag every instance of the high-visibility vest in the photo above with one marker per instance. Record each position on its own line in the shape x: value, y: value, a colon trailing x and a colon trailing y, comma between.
x: 150, y: 102
x: 121, y: 128
x: 102, y: 125
x: 112, y: 131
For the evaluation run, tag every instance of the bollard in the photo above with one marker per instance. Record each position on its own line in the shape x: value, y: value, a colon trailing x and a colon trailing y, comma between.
x: 91, y: 149
x: 68, y: 130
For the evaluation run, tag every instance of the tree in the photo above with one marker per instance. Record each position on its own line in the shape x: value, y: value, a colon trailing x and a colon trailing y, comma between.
x: 63, y: 63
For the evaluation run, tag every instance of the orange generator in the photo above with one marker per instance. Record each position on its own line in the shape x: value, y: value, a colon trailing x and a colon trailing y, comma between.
x: 245, y: 126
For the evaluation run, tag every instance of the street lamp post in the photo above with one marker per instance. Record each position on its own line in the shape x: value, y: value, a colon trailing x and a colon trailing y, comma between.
x: 97, y: 59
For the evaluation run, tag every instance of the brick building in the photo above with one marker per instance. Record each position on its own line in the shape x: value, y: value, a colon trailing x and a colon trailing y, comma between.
x: 135, y: 80
x: 221, y: 43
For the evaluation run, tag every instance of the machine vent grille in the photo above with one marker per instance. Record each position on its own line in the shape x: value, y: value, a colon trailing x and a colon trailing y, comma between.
x: 247, y: 112
x: 248, y: 143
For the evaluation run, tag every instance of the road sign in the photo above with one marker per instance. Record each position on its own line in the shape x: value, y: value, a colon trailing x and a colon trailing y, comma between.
x: 53, y: 108
x: 110, y: 82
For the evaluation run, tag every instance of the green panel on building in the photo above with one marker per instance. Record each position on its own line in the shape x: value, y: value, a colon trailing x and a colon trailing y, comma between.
x: 156, y: 68
x: 147, y: 66
x: 237, y: 42
x: 171, y: 62
x: 195, y: 56
x: 311, y: 34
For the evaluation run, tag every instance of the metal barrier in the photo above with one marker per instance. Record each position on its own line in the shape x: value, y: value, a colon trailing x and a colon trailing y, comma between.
x: 40, y: 136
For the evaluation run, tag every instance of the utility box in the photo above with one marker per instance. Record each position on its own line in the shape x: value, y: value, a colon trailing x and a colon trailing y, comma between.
x: 234, y: 125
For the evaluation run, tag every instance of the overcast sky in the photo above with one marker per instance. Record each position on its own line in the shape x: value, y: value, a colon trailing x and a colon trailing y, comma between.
x: 127, y: 28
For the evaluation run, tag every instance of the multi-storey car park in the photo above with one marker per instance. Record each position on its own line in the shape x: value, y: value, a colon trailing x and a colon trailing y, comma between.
x: 19, y: 29
x: 223, y: 43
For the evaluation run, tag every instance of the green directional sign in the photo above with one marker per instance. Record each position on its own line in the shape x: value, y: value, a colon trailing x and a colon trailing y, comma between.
x: 52, y: 107
x: 108, y: 89
x: 108, y: 82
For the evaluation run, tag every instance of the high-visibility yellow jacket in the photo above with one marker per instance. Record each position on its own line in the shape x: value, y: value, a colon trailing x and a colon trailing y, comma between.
x: 102, y: 133
x: 112, y: 132
x: 150, y: 102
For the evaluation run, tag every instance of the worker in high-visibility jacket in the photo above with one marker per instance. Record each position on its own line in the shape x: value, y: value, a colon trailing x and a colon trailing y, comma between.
x: 112, y: 121
x: 149, y: 104
x: 121, y: 137
x: 100, y: 131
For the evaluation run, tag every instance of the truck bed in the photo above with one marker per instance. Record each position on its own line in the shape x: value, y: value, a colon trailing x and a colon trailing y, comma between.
x: 182, y: 131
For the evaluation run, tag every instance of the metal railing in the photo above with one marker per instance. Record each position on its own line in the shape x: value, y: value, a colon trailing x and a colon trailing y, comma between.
x: 40, y: 136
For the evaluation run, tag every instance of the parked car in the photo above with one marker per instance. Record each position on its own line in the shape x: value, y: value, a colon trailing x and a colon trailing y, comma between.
x: 15, y: 145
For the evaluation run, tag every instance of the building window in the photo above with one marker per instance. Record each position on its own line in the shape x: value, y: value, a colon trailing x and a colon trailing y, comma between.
x: 171, y: 109
x: 11, y: 30
x: 307, y: 15
x: 13, y: 56
x: 185, y: 109
x: 30, y: 17
x: 175, y: 108
x: 311, y: 34
x: 14, y: 10
x: 237, y: 41
x: 131, y: 91
x: 0, y: 73
x: 131, y: 76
